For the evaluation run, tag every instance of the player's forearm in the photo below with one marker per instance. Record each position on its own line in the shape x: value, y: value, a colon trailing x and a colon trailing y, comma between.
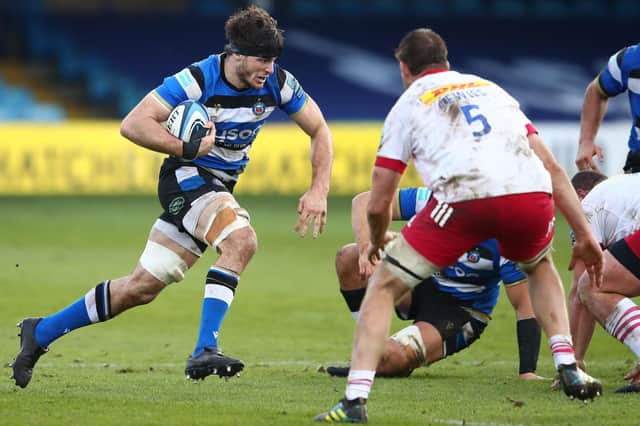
x: 593, y: 110
x: 564, y: 195
x: 321, y: 160
x: 142, y: 127
x: 151, y: 135
x: 568, y: 203
x: 379, y: 220
x: 359, y: 224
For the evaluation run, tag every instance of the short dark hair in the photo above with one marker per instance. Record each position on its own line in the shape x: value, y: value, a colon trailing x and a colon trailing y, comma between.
x: 420, y: 48
x: 253, y: 32
x: 586, y: 180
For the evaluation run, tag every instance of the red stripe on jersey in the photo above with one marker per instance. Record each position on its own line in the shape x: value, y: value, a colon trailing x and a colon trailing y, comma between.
x: 391, y: 164
x: 531, y: 129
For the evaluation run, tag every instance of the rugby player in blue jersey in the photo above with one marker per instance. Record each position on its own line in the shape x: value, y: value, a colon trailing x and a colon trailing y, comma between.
x: 241, y: 87
x: 621, y: 74
x: 450, y: 310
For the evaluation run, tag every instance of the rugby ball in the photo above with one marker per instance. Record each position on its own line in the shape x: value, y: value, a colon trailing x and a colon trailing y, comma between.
x: 187, y: 120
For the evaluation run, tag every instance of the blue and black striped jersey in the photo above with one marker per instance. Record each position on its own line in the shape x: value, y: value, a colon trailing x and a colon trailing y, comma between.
x: 475, y: 278
x: 237, y: 114
x: 621, y: 74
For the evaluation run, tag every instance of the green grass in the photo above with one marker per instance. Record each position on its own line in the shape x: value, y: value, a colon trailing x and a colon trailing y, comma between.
x: 287, y: 320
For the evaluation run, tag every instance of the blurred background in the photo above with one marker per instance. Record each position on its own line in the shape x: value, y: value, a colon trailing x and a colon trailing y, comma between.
x: 66, y: 63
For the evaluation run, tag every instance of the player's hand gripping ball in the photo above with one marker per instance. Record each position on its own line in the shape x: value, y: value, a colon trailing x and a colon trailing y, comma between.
x: 187, y: 122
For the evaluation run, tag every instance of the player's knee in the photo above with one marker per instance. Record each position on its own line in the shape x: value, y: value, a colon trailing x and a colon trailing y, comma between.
x: 585, y: 289
x: 225, y: 220
x: 408, y: 349
x: 347, y: 266
x: 243, y: 242
x: 396, y: 361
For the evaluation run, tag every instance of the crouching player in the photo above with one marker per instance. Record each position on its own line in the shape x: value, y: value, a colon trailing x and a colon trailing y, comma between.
x: 450, y: 310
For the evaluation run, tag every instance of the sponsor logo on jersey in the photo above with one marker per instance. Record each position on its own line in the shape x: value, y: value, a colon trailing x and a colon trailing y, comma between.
x: 259, y: 108
x: 236, y: 138
x: 429, y: 97
x: 176, y: 205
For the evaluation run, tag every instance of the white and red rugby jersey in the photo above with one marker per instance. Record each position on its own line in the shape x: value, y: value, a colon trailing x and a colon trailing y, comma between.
x: 466, y: 136
x: 613, y: 208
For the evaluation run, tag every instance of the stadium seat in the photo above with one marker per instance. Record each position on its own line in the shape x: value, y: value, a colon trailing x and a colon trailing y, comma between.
x: 509, y: 8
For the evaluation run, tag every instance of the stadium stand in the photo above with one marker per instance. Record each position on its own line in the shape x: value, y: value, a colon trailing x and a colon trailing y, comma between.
x: 114, y: 51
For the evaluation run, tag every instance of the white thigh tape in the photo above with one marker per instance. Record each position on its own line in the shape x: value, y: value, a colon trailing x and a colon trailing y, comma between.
x: 163, y: 263
x: 410, y: 336
x: 406, y: 263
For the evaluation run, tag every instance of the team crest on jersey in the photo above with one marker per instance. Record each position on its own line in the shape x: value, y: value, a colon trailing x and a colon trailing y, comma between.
x: 473, y: 256
x: 176, y: 205
x: 259, y: 108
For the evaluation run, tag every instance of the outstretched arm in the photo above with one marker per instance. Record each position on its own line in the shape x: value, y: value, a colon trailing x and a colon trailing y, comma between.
x: 593, y: 110
x: 384, y: 187
x: 312, y: 206
x: 360, y: 228
x: 586, y: 247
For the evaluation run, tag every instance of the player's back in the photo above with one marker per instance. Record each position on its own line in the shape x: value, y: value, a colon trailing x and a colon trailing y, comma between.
x: 469, y: 138
x: 613, y: 208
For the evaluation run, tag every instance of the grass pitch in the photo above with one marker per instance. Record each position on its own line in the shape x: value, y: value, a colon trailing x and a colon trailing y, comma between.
x: 288, y: 319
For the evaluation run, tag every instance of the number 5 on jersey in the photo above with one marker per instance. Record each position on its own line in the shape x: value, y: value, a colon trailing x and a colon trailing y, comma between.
x: 472, y: 116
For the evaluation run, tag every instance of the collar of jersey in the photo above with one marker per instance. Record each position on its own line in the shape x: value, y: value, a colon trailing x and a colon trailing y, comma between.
x: 433, y: 71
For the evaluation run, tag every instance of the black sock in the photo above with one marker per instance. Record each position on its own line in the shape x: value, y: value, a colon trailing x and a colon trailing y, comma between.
x: 354, y: 298
x: 528, y: 344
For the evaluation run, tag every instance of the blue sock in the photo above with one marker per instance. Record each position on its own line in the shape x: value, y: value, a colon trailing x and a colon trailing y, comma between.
x: 93, y: 307
x: 218, y: 295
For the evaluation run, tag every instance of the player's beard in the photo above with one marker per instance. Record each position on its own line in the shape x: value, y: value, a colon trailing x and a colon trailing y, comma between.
x: 248, y: 77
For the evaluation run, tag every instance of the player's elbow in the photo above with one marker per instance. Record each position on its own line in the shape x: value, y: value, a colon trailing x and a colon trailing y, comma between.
x: 126, y: 128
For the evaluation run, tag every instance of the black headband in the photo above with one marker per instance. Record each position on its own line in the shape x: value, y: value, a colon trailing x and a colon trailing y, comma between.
x: 259, y: 51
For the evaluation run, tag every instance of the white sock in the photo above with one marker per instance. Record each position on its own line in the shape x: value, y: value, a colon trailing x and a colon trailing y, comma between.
x: 359, y: 384
x: 624, y: 324
x: 562, y: 350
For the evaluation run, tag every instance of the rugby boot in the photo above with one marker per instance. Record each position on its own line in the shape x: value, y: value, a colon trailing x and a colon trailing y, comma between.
x: 212, y: 361
x: 634, y: 381
x: 577, y: 384
x: 346, y: 411
x: 29, y: 353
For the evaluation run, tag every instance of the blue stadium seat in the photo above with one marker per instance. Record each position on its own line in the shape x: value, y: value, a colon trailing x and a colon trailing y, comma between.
x: 308, y: 8
x: 627, y: 8
x: 45, y: 112
x: 590, y: 8
x: 430, y: 8
x: 509, y: 8
x: 212, y: 8
x: 468, y: 7
x: 551, y: 8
